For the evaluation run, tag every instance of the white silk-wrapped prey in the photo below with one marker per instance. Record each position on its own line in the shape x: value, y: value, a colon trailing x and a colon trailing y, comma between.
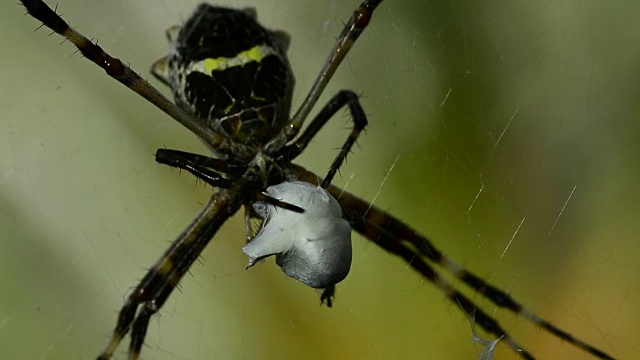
x: 313, y: 247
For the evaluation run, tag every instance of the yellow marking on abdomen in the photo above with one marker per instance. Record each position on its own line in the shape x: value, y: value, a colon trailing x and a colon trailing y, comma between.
x: 209, y: 65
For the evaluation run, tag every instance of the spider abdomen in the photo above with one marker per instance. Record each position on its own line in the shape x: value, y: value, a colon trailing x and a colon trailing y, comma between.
x: 313, y: 247
x: 229, y: 71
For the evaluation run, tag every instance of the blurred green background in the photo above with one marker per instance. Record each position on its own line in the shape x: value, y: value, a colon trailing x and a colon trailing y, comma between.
x: 505, y: 131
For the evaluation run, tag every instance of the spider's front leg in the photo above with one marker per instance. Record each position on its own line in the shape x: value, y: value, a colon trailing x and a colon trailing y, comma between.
x: 210, y: 170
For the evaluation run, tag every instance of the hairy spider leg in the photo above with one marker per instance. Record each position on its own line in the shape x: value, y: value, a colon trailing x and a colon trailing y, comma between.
x: 395, y: 237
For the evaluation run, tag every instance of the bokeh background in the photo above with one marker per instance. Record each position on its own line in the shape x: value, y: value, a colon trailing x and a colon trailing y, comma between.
x: 505, y: 131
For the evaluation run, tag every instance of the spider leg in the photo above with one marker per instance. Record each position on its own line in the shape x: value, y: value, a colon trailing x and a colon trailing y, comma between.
x: 207, y: 169
x: 122, y: 73
x: 381, y: 226
x: 278, y: 203
x: 344, y: 97
x: 395, y: 237
x: 154, y: 289
x: 394, y: 245
x: 248, y: 229
x: 327, y: 295
x: 350, y: 33
x: 170, y: 156
x: 204, y: 168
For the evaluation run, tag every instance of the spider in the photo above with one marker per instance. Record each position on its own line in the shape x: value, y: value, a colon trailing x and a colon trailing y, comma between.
x: 251, y: 156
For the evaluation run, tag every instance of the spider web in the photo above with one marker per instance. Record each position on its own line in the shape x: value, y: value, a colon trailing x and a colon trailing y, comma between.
x: 505, y: 132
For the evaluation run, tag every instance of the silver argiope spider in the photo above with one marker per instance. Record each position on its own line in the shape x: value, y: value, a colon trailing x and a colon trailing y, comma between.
x: 415, y: 251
